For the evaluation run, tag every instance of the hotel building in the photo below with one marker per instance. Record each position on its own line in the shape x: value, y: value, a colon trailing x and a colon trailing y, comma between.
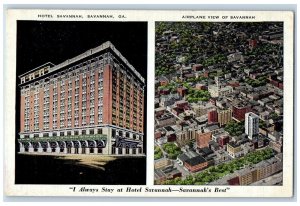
x: 90, y: 104
x: 251, y: 125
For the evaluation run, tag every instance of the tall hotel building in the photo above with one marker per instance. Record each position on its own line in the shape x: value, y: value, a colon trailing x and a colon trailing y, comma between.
x: 90, y: 104
x: 251, y: 125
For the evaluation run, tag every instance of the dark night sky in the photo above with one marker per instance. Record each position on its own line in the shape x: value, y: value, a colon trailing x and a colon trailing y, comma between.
x: 39, y: 42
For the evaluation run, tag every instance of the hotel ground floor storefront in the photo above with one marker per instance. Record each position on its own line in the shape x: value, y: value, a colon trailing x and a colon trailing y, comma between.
x: 105, y: 140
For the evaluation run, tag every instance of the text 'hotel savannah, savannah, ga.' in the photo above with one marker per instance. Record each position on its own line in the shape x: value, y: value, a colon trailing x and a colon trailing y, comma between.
x: 90, y: 104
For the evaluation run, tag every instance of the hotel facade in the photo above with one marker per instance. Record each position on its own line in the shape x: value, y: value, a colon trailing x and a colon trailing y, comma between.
x: 90, y: 104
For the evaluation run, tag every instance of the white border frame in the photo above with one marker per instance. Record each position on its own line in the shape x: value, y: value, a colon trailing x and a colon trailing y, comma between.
x: 151, y: 16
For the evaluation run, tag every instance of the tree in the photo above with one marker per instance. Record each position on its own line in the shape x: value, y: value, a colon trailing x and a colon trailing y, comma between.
x: 216, y: 172
x: 172, y: 150
x: 157, y: 153
x: 234, y: 128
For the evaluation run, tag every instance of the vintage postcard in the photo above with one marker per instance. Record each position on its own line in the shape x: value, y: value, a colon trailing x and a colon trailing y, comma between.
x: 149, y: 103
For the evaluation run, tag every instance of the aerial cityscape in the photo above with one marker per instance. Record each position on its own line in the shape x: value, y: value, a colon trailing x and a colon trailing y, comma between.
x: 218, y: 103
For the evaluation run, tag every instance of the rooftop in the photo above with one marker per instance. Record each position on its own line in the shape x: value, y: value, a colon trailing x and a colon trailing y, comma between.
x: 169, y: 129
x: 232, y: 144
x: 205, y: 151
x: 251, y: 114
x: 88, y: 53
x: 195, y: 160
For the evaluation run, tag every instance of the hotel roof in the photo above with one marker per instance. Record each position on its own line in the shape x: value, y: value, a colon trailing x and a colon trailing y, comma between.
x: 88, y: 53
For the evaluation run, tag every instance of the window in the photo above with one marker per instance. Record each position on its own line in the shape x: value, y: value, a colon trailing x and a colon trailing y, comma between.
x: 92, y: 111
x: 92, y: 120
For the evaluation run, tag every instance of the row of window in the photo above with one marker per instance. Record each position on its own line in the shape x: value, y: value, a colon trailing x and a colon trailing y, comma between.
x: 62, y: 83
x: 62, y: 123
x: 63, y: 96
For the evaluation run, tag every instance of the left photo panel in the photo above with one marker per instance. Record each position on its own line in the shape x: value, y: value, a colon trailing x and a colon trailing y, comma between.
x: 81, y: 102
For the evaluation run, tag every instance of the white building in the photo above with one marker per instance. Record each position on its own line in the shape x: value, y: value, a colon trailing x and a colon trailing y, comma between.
x: 234, y: 57
x: 251, y: 124
x: 216, y: 91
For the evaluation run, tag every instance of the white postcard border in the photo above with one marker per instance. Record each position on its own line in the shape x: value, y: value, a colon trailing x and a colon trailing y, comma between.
x: 150, y: 16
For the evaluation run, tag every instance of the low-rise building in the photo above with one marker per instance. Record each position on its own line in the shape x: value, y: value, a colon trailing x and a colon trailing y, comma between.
x: 205, y: 152
x: 234, y: 57
x: 202, y: 108
x: 264, y: 115
x: 163, y: 81
x: 162, y: 163
x: 264, y: 101
x: 168, y: 100
x: 203, y: 138
x: 234, y: 150
x: 196, y: 164
x: 185, y: 156
x: 221, y: 156
x: 223, y: 140
x: 201, y: 87
x: 159, y: 111
x: 181, y: 104
x: 182, y: 91
x: 276, y: 145
x: 161, y: 139
x: 166, y: 119
x: 197, y: 67
x: 161, y: 175
x: 239, y: 110
x: 216, y: 91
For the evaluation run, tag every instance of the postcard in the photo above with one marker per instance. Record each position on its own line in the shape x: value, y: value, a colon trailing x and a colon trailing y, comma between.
x: 149, y: 103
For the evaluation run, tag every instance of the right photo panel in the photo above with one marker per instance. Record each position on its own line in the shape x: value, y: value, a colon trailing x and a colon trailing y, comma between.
x: 218, y: 103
